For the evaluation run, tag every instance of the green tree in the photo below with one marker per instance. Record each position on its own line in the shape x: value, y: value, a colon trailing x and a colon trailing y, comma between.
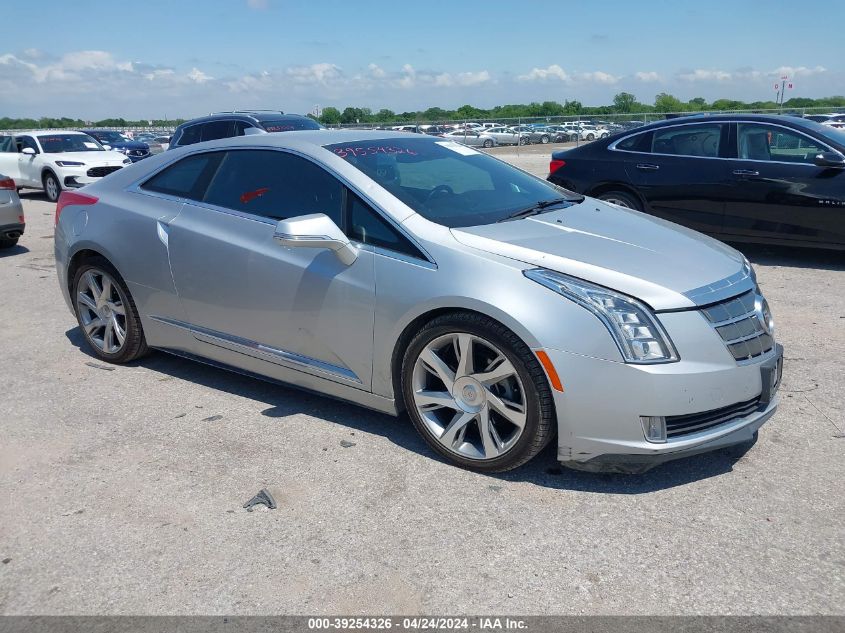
x: 665, y: 102
x: 330, y: 116
x: 624, y: 102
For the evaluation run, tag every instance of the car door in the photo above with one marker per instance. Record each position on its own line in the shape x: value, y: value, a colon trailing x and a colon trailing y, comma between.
x: 29, y: 165
x: 9, y: 158
x: 780, y: 193
x: 681, y: 175
x: 301, y: 308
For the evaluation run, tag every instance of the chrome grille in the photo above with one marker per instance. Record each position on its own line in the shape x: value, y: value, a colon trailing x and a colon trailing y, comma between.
x: 740, y: 325
x: 99, y: 172
x: 677, y: 425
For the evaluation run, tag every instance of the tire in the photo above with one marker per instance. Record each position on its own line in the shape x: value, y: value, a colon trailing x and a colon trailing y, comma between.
x: 518, y: 381
x: 544, y: 139
x: 52, y: 186
x: 622, y: 199
x: 591, y: 137
x: 8, y: 242
x: 134, y: 345
x: 488, y: 143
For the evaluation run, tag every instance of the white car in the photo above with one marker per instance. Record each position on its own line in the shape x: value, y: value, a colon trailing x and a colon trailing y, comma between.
x: 57, y: 160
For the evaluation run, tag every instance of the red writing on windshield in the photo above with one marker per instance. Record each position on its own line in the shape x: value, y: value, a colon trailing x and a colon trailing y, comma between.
x: 252, y: 195
x: 344, y: 152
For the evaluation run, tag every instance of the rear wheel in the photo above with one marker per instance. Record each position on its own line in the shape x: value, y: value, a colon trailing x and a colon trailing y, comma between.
x: 106, y: 313
x: 476, y: 393
x: 488, y: 143
x: 591, y: 136
x: 8, y: 242
x: 544, y: 139
x: 52, y: 188
x: 621, y: 199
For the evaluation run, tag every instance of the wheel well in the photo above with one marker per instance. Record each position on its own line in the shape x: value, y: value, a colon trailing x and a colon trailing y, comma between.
x: 78, y: 259
x: 595, y: 192
x: 47, y: 170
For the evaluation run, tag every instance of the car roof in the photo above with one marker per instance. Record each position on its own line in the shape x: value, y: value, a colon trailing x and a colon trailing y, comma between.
x: 244, y: 115
x: 312, y: 138
x: 45, y: 132
x: 699, y: 118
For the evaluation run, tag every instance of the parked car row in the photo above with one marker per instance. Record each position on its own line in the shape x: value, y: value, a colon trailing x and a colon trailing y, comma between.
x: 774, y: 179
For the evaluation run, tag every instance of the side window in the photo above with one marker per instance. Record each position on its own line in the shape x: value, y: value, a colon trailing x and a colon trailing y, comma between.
x: 756, y: 141
x: 688, y: 140
x: 275, y: 185
x: 7, y: 144
x: 636, y: 143
x: 186, y: 178
x: 216, y: 129
x: 27, y: 141
x: 190, y: 135
x: 240, y: 127
x: 367, y: 226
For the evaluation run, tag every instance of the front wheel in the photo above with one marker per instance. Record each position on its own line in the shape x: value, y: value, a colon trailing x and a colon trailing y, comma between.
x: 591, y: 137
x: 52, y: 187
x: 544, y: 139
x: 476, y: 393
x: 488, y: 143
x: 106, y: 313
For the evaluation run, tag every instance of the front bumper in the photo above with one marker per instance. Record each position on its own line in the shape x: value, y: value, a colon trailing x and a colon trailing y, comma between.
x: 599, y: 426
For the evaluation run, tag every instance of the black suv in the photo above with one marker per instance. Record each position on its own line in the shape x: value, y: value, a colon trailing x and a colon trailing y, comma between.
x: 228, y: 124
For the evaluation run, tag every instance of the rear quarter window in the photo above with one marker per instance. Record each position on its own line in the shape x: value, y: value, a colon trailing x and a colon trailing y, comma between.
x: 188, y: 178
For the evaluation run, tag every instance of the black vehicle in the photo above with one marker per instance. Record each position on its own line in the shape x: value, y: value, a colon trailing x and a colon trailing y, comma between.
x: 240, y: 123
x: 753, y: 178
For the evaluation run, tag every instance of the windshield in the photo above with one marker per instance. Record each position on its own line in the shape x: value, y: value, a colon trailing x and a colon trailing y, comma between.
x: 290, y: 125
x: 110, y: 137
x: 58, y: 143
x: 449, y: 183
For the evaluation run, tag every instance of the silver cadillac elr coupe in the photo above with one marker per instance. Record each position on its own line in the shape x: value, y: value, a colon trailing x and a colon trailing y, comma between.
x: 406, y: 272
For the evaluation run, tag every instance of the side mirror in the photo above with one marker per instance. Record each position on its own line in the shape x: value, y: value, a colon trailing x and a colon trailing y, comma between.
x: 315, y: 231
x: 829, y: 159
x: 28, y: 151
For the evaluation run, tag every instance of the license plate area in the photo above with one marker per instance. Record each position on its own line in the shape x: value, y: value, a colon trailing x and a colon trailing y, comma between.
x: 771, y: 373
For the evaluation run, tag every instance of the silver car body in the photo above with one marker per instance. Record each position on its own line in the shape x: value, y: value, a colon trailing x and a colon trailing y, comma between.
x: 214, y: 284
x: 12, y: 222
x: 473, y: 138
x: 506, y: 135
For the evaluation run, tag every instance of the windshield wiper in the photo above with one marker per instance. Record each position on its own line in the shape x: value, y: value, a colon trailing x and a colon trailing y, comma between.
x: 536, y: 208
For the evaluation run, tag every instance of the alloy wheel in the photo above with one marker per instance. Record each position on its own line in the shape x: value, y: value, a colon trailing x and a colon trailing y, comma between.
x: 51, y: 188
x: 469, y: 396
x: 102, y: 310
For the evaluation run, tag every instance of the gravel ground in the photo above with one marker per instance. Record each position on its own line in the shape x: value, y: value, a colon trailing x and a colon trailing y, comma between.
x: 122, y: 487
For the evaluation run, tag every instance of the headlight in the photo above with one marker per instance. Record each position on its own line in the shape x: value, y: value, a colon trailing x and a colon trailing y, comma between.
x: 126, y: 161
x: 69, y: 163
x: 637, y: 333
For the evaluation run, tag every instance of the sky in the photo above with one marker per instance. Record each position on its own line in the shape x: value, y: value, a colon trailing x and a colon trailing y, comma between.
x: 147, y: 59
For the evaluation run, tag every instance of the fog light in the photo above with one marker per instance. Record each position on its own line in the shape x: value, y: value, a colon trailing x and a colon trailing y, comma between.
x: 654, y: 427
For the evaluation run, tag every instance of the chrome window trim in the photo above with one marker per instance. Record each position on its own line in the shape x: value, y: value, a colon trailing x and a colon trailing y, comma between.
x: 135, y: 187
x: 261, y: 351
x: 612, y: 147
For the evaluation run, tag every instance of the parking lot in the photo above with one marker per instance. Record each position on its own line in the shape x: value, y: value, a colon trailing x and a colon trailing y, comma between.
x: 123, y: 486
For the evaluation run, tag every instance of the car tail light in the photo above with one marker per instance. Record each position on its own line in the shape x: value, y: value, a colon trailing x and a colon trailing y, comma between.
x: 7, y: 183
x: 555, y: 165
x: 67, y: 198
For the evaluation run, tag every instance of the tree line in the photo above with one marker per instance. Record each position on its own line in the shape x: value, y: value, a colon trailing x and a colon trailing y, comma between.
x: 623, y: 103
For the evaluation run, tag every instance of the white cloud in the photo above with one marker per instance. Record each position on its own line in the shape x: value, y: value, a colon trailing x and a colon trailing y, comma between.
x: 197, y: 76
x: 701, y: 74
x: 647, y: 76
x: 321, y: 73
x: 376, y: 71
x: 544, y: 74
x: 800, y: 71
x: 599, y: 77
x: 257, y: 4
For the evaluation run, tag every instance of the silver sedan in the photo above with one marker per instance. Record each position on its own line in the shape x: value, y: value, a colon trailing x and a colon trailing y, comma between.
x: 12, y: 222
x: 507, y: 136
x: 473, y: 138
x: 405, y: 272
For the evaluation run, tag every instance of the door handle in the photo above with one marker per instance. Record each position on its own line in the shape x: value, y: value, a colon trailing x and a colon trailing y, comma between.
x: 746, y: 172
x: 648, y: 166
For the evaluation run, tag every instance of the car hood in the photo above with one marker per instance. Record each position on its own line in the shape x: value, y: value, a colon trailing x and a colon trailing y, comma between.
x: 658, y: 262
x: 91, y: 159
x: 129, y: 145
